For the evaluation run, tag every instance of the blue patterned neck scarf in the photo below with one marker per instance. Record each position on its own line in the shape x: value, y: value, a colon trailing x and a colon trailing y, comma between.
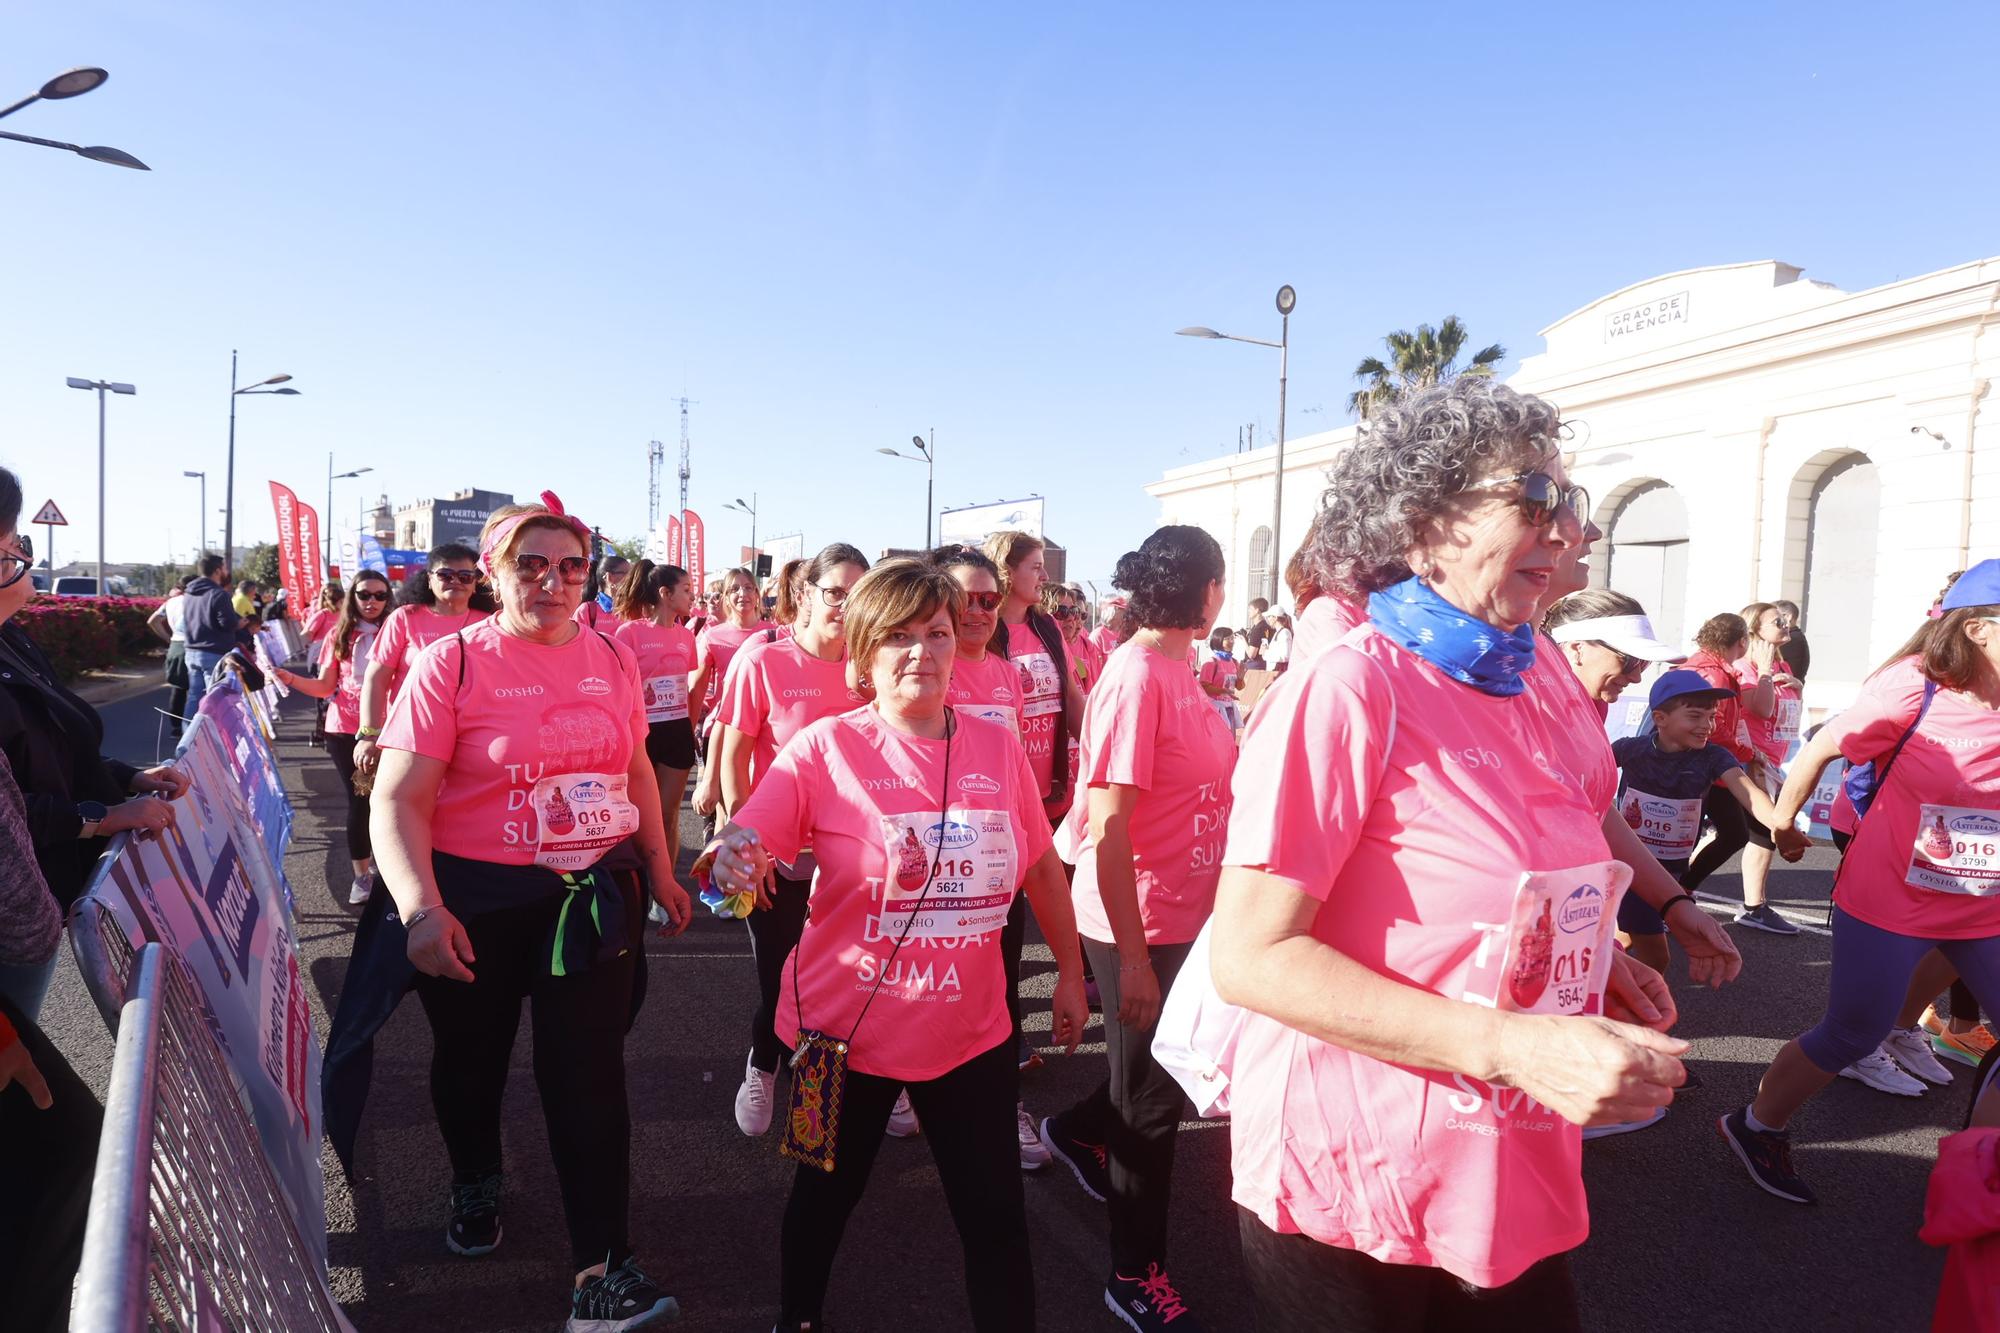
x: 1462, y: 646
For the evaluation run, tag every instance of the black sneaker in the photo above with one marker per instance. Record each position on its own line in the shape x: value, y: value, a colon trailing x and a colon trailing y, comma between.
x: 1086, y: 1161
x: 475, y: 1214
x: 1148, y: 1303
x: 1767, y: 1155
x: 1765, y: 917
x: 622, y: 1298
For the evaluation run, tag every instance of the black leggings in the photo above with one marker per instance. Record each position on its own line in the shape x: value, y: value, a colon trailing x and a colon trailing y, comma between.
x: 968, y: 1118
x: 1134, y: 1113
x: 579, y: 1025
x: 774, y: 933
x: 359, y: 848
x: 1733, y: 829
x: 1301, y: 1286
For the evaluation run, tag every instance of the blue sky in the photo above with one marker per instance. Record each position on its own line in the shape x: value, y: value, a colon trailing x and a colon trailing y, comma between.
x: 493, y: 242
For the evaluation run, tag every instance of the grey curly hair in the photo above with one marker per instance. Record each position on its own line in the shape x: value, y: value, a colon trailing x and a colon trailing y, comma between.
x: 1408, y: 461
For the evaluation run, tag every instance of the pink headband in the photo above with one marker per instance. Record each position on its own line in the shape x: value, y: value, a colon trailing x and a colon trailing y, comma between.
x: 497, y: 540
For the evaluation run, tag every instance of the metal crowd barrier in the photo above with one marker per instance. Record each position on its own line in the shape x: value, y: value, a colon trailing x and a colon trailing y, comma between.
x: 187, y: 1229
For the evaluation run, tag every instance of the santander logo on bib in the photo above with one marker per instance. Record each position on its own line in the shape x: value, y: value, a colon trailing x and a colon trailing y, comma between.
x: 978, y: 784
x: 593, y: 685
x: 1582, y: 910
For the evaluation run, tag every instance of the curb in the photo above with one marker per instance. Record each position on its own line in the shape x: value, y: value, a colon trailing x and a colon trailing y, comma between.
x: 108, y: 687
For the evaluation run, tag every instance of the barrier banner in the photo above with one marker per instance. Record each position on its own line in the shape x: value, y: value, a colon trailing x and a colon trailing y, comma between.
x: 286, y: 506
x: 210, y: 890
x: 695, y: 538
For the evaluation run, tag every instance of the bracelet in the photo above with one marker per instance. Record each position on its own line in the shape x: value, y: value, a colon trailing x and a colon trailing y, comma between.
x: 1677, y: 898
x: 416, y: 918
x: 367, y: 733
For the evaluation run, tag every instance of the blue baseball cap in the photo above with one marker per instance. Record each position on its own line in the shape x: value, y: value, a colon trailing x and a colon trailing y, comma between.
x: 1685, y: 684
x: 1978, y: 586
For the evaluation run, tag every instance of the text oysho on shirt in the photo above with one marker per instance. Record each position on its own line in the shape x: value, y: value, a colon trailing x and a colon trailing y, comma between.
x: 537, y: 739
x: 777, y: 690
x: 1148, y: 725
x: 867, y: 799
x: 343, y: 714
x: 1413, y: 809
x: 407, y: 632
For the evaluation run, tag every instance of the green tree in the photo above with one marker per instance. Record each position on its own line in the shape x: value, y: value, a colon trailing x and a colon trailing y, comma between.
x: 1417, y: 361
x: 260, y: 563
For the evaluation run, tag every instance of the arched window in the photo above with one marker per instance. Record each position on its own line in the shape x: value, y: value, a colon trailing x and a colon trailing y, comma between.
x: 1648, y: 555
x: 1259, y: 568
x: 1842, y: 513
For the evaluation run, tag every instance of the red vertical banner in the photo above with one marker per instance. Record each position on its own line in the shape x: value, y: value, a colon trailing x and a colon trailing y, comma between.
x: 312, y: 566
x: 674, y: 541
x: 696, y: 542
x: 286, y: 506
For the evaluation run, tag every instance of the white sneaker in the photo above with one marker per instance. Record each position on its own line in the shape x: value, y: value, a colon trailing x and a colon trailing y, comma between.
x: 1625, y: 1126
x: 754, y: 1099
x: 1883, y: 1074
x: 1033, y: 1155
x: 902, y: 1120
x: 362, y: 889
x: 1911, y: 1048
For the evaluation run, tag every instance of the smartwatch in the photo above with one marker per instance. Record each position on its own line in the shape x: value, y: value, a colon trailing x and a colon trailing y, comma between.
x: 92, y: 813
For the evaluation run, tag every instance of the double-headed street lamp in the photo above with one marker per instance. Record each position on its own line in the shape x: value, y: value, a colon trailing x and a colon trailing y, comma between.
x: 327, y: 522
x: 1287, y: 299
x: 103, y: 387
x: 927, y: 455
x: 71, y: 83
x: 751, y: 509
x: 229, y: 475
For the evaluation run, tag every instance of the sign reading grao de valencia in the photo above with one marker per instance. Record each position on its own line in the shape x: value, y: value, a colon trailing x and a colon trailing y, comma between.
x: 1647, y: 315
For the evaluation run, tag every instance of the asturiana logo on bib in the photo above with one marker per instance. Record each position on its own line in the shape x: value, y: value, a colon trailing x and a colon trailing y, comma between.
x: 1976, y: 825
x: 1582, y: 910
x: 593, y: 685
x: 949, y: 836
x: 978, y: 784
x: 588, y: 793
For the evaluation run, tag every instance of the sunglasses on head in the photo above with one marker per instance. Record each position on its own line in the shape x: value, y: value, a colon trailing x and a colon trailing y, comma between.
x: 466, y: 577
x: 985, y: 601
x: 535, y: 568
x: 1541, y: 498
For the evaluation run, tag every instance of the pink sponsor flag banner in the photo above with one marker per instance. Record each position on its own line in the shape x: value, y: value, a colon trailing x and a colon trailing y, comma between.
x: 286, y: 506
x: 696, y: 541
x: 674, y: 542
x: 312, y: 567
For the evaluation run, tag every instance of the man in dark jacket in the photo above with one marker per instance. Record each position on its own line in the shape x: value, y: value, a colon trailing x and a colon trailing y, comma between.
x: 211, y: 626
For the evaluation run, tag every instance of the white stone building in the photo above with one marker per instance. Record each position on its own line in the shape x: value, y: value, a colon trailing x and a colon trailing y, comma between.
x: 1746, y: 434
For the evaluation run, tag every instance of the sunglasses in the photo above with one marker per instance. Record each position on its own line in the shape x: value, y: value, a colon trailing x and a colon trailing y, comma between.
x: 22, y: 561
x: 1541, y: 498
x: 1067, y: 613
x: 463, y: 577
x: 1627, y: 664
x: 371, y: 596
x: 985, y: 601
x: 535, y: 568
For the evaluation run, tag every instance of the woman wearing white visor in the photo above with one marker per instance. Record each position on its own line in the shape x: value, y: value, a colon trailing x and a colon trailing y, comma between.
x: 1608, y: 640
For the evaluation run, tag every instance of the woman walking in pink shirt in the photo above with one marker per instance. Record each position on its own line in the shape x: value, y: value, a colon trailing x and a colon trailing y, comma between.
x: 650, y: 604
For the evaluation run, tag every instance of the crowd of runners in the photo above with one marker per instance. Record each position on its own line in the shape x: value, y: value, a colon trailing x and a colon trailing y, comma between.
x: 1364, y: 874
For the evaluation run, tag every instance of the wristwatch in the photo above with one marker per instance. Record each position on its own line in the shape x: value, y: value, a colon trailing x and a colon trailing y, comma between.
x: 92, y: 813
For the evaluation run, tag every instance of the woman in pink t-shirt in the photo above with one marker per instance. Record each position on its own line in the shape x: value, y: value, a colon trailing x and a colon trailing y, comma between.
x: 741, y: 618
x: 926, y: 823
x: 983, y: 682
x: 1920, y: 873
x: 1771, y: 704
x: 1416, y: 908
x: 650, y: 604
x: 1145, y: 834
x: 343, y: 660
x: 514, y: 761
x: 445, y: 600
x: 774, y: 691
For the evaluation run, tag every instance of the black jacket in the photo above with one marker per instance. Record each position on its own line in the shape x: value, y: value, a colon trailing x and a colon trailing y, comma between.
x: 52, y: 739
x: 211, y: 617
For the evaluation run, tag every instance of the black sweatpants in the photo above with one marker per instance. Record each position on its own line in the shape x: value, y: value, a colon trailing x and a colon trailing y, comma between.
x: 1733, y: 829
x: 359, y: 848
x: 46, y: 1161
x: 1301, y: 1286
x: 968, y: 1119
x: 1135, y: 1113
x: 774, y: 933
x: 579, y: 1027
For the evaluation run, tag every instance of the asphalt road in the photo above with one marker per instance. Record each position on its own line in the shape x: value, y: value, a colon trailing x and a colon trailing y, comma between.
x: 1679, y: 1235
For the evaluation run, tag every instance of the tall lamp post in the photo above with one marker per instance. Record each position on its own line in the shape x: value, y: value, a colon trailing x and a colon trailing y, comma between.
x: 203, y: 525
x: 327, y: 522
x: 229, y: 475
x: 751, y: 509
x: 71, y: 83
x: 103, y: 387
x: 927, y: 455
x: 1287, y: 300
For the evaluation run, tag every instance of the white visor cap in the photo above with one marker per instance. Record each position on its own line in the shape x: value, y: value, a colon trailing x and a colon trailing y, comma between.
x: 1631, y: 635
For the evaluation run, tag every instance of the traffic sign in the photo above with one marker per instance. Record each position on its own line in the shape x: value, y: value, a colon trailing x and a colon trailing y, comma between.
x: 48, y: 513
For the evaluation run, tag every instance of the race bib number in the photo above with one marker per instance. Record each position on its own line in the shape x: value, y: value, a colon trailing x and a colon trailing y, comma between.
x: 1000, y: 713
x: 666, y: 698
x: 1785, y: 722
x: 1667, y: 827
x: 1957, y: 851
x: 1553, y: 954
x: 974, y: 880
x: 1041, y: 685
x: 582, y: 815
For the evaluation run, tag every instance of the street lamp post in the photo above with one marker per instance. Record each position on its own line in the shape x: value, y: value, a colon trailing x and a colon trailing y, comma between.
x: 927, y: 455
x: 102, y: 387
x: 71, y: 83
x: 229, y: 474
x: 203, y: 525
x: 750, y: 509
x: 1287, y: 301
x: 332, y: 477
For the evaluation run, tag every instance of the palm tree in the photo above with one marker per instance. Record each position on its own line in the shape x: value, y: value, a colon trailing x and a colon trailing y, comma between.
x: 1417, y: 361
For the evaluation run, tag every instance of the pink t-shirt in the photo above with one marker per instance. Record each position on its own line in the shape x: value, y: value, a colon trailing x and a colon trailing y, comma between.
x: 776, y: 691
x: 1148, y: 725
x: 321, y: 624
x: 989, y: 688
x: 1325, y: 621
x: 666, y: 659
x: 1105, y: 640
x: 1582, y: 749
x: 1041, y: 699
x: 1772, y: 736
x: 407, y: 632
x: 537, y: 740
x: 1411, y: 806
x: 717, y: 644
x: 343, y: 713
x: 1925, y: 860
x: 866, y: 798
x: 1219, y: 671
x: 1901, y: 686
